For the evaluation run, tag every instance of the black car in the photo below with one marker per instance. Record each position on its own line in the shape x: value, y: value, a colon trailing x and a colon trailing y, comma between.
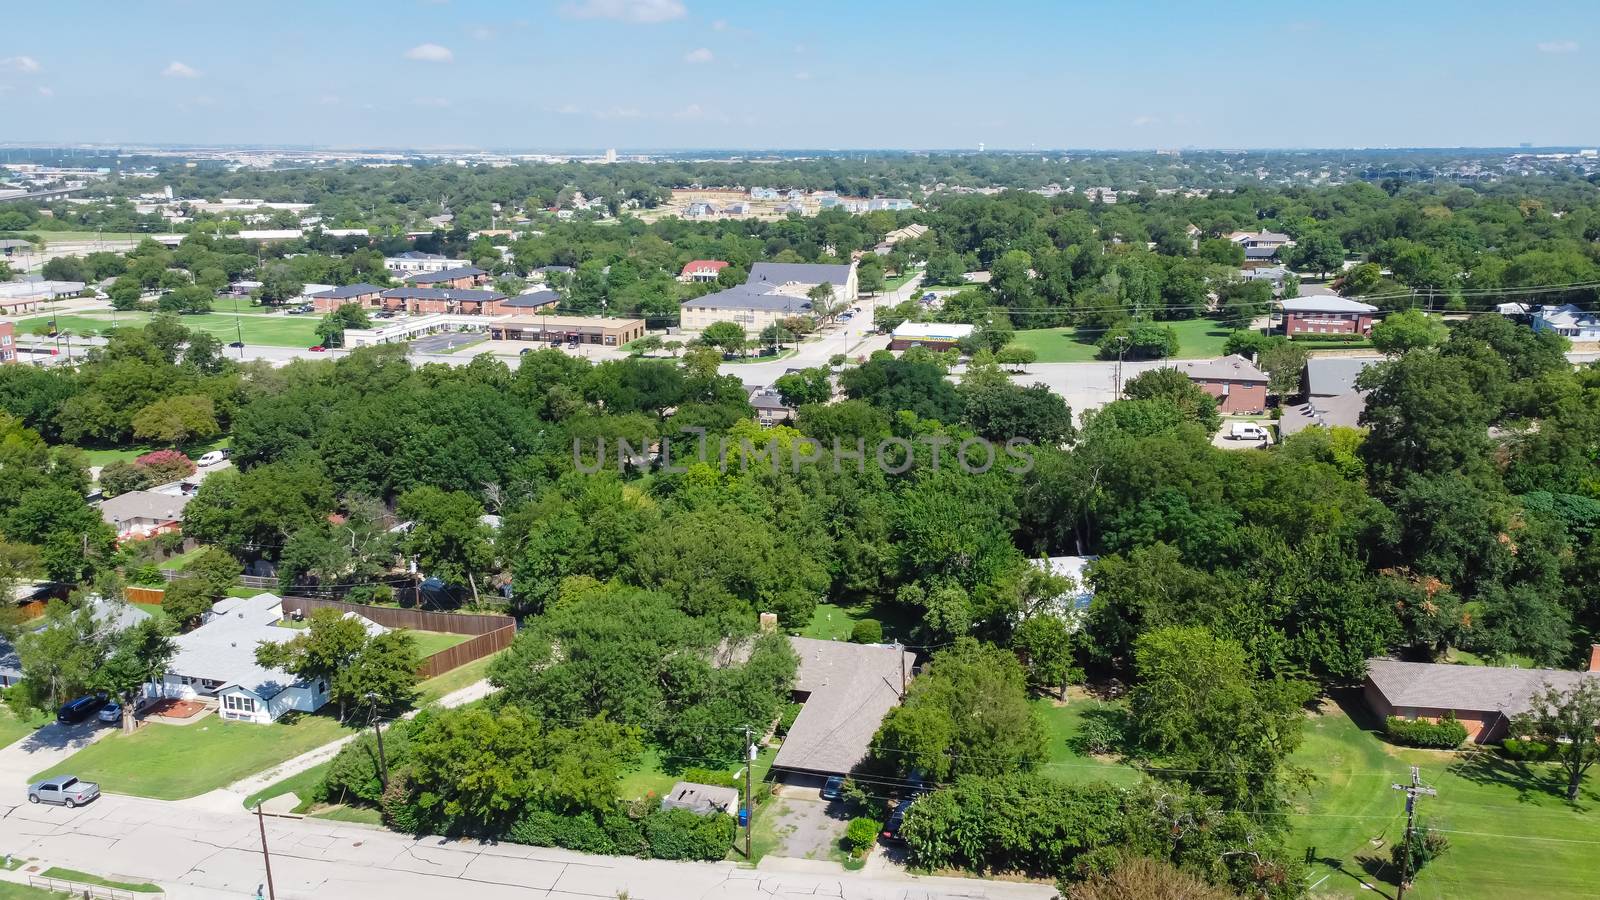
x: 236, y: 343
x: 891, y: 828
x: 75, y: 711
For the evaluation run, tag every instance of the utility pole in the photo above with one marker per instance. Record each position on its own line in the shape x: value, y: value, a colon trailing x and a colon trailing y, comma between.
x: 1412, y: 791
x: 377, y: 727
x: 749, y: 805
x: 266, y: 858
x: 1122, y: 345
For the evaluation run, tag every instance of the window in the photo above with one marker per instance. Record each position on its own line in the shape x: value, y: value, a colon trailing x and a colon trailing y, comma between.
x: 239, y: 703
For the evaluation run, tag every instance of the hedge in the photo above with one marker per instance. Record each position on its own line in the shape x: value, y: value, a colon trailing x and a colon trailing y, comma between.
x: 659, y: 834
x: 1527, y: 749
x: 1445, y: 734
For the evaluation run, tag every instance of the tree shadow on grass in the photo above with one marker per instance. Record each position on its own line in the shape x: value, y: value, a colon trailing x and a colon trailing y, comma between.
x: 1104, y: 731
x: 1532, y: 782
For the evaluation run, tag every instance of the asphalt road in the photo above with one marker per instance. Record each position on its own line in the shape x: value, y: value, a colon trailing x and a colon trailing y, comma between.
x: 195, y: 852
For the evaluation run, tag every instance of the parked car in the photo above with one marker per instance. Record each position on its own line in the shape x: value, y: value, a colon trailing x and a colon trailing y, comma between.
x: 212, y: 457
x: 891, y: 828
x: 1247, y: 431
x: 74, y: 711
x: 66, y: 790
x: 111, y: 713
x: 831, y: 788
x: 318, y: 349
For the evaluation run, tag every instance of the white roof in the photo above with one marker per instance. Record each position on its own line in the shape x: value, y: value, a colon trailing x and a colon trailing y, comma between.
x: 935, y: 331
x: 223, y: 648
x: 1327, y: 303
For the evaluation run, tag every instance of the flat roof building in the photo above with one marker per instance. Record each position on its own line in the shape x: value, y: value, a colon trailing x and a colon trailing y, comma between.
x: 933, y: 335
x: 583, y: 329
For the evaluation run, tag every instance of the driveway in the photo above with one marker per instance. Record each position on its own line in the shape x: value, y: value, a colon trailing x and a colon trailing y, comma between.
x: 807, y: 826
x: 47, y: 747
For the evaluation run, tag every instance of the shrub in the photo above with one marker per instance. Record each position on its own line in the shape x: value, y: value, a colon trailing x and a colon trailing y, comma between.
x: 1527, y: 749
x: 791, y: 711
x: 120, y: 477
x: 1445, y: 734
x: 537, y: 828
x: 1103, y: 731
x: 353, y: 773
x: 680, y: 834
x: 867, y: 631
x: 166, y: 465
x: 400, y: 811
x: 861, y: 834
x: 1426, y: 845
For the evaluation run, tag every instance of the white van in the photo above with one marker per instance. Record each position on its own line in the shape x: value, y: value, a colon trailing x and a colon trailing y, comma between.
x: 213, y: 458
x: 1248, y: 431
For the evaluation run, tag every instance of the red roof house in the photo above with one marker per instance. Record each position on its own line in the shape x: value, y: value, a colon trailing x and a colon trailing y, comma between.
x: 702, y: 270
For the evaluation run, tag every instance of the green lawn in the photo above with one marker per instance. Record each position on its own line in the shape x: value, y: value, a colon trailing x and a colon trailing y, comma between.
x: 85, y: 878
x: 129, y: 454
x: 833, y: 621
x: 1197, y: 339
x: 172, y: 762
x: 12, y: 891
x: 1512, y: 833
x: 454, y: 680
x: 896, y: 282
x: 1061, y: 722
x: 431, y: 642
x: 13, y: 728
x: 272, y: 331
x: 648, y: 779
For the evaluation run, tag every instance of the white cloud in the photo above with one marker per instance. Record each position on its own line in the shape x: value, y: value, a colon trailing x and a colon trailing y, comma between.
x: 719, y: 25
x: 1558, y: 47
x: 46, y: 92
x: 430, y: 53
x: 636, y: 12
x: 1142, y: 121
x: 698, y: 55
x: 480, y: 32
x: 177, y: 69
x: 26, y: 64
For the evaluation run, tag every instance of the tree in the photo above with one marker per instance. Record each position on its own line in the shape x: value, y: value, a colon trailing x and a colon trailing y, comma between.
x: 348, y: 315
x: 1020, y: 357
x: 1319, y: 251
x: 1409, y: 329
x: 177, y: 420
x: 60, y: 660
x: 1139, y: 340
x: 1177, y: 390
x: 1565, y: 721
x: 330, y: 645
x: 776, y: 335
x: 728, y: 336
x: 968, y: 713
x: 814, y: 385
x: 382, y: 676
x: 1142, y: 878
x: 279, y: 285
x: 1283, y: 363
x: 1045, y: 646
x: 822, y: 301
x: 139, y: 654
x: 1242, y: 302
x: 447, y: 536
x: 648, y: 344
x: 1199, y: 711
x: 869, y: 274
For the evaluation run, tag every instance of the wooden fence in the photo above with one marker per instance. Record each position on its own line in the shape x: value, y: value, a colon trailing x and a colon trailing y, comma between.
x: 144, y: 594
x: 491, y: 634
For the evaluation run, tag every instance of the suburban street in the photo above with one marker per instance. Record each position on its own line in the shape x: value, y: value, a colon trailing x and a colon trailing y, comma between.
x: 197, y: 852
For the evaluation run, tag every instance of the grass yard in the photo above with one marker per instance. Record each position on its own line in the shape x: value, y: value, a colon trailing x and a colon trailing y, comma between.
x: 896, y: 282
x: 13, y: 728
x: 648, y: 779
x: 431, y: 642
x: 12, y: 891
x: 454, y: 680
x: 173, y: 762
x: 272, y: 331
x: 1511, y: 831
x: 85, y: 878
x: 833, y: 621
x: 1062, y: 722
x: 1197, y: 339
x: 300, y: 785
x: 129, y: 454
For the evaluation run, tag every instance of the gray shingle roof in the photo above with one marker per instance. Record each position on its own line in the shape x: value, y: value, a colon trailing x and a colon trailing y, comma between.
x: 412, y: 293
x: 143, y: 505
x: 1327, y: 376
x: 1475, y: 688
x: 1228, y: 368
x: 223, y: 648
x: 852, y: 687
x: 749, y: 296
x: 533, y: 299
x: 445, y: 275
x: 800, y: 273
x: 1326, y: 303
x: 347, y: 291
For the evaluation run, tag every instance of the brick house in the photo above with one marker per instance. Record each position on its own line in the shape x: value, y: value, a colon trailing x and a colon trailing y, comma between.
x: 1240, y: 387
x: 462, y: 278
x: 1327, y: 314
x: 417, y: 301
x: 8, y: 343
x: 1484, y: 699
x: 368, y: 296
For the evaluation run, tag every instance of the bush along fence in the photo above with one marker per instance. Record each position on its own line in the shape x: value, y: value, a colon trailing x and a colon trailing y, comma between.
x: 1445, y: 734
x: 490, y: 634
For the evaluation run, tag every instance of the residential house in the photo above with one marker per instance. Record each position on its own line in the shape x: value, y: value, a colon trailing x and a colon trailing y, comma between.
x: 701, y: 270
x: 459, y: 278
x: 1331, y: 399
x: 1240, y: 387
x: 799, y: 278
x: 845, y: 690
x: 763, y: 193
x: 889, y: 203
x: 142, y: 514
x: 936, y: 336
x: 753, y: 307
x: 1327, y: 314
x: 111, y: 616
x: 1260, y: 240
x: 1272, y: 274
x: 415, y: 262
x: 702, y: 799
x: 1483, y: 698
x: 217, y: 662
x: 1568, y: 321
x: 543, y: 273
x: 769, y: 406
x: 8, y: 343
x: 367, y: 296
x: 908, y: 233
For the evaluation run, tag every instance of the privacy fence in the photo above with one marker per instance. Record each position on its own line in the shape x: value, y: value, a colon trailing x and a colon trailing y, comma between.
x: 490, y: 634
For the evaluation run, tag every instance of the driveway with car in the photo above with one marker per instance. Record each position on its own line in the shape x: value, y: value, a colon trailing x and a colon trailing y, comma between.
x: 45, y: 749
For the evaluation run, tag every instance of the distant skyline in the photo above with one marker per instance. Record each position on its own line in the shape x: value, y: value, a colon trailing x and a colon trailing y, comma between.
x: 664, y: 74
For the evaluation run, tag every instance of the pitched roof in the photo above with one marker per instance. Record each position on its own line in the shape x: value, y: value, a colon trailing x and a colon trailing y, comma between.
x: 533, y: 299
x: 415, y: 293
x: 1260, y: 252
x: 348, y: 291
x: 1328, y: 412
x: 1327, y: 376
x: 1326, y: 303
x: 1228, y: 368
x: 223, y: 648
x: 701, y: 265
x: 750, y: 296
x: 445, y: 275
x: 852, y: 687
x: 1476, y: 688
x: 143, y: 505
x: 799, y: 273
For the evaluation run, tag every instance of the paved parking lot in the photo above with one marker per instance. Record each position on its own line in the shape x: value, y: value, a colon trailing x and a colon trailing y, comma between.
x: 444, y: 342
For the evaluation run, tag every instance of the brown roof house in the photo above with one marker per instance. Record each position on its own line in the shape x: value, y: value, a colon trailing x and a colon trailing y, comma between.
x: 1237, y: 384
x: 1483, y: 698
x: 846, y: 690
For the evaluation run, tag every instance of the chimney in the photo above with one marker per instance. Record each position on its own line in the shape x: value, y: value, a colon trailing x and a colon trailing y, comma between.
x: 1594, y: 658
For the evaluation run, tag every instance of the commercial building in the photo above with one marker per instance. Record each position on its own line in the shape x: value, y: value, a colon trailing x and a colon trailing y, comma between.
x: 933, y: 335
x: 399, y: 331
x: 582, y: 329
x: 415, y: 262
x: 1240, y: 387
x: 799, y: 278
x: 1484, y: 699
x: 753, y: 307
x: 1327, y: 314
x: 460, y: 277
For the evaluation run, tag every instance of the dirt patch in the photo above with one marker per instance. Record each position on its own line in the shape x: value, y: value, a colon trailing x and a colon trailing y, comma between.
x: 175, y: 709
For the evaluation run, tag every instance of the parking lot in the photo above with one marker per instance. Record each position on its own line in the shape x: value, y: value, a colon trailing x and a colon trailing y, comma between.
x: 445, y: 342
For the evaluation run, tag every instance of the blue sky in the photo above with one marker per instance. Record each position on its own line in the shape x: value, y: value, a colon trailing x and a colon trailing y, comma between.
x: 636, y: 74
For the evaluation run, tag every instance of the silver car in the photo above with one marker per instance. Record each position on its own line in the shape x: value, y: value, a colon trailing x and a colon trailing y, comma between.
x: 66, y: 790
